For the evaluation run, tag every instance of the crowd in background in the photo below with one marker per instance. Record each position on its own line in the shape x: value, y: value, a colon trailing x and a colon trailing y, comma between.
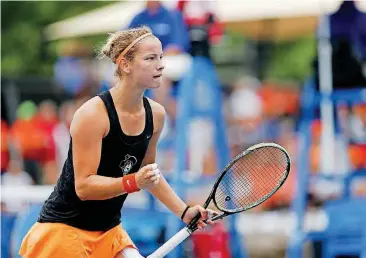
x: 34, y: 147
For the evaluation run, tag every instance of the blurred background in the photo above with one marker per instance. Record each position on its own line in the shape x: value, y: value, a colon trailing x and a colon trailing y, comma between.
x: 238, y: 72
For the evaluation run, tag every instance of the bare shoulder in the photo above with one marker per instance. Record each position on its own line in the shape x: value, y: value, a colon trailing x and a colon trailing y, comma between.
x: 157, y: 109
x: 92, y: 112
x: 159, y: 114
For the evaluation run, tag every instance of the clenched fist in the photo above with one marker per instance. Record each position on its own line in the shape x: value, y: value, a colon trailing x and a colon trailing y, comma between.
x: 148, y: 176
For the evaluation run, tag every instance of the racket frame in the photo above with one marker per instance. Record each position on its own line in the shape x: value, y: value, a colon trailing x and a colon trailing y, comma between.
x: 192, y: 226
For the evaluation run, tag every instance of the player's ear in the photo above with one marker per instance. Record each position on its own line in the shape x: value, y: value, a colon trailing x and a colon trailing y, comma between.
x: 124, y: 65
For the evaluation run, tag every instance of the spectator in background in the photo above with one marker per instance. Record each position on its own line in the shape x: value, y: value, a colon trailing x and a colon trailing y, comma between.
x: 348, y: 24
x: 203, y: 27
x: 15, y: 176
x: 46, y: 120
x: 358, y: 124
x: 61, y: 133
x: 169, y: 27
x: 4, y: 145
x: 28, y: 139
x: 361, y: 37
x: 356, y: 129
x: 72, y: 70
x: 245, y: 111
x: 348, y: 40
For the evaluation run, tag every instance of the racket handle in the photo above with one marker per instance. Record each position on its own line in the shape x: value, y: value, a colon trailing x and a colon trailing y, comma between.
x: 171, y: 243
x: 194, y: 221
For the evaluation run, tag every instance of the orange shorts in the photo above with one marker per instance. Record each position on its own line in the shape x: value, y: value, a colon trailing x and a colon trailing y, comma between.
x: 59, y: 240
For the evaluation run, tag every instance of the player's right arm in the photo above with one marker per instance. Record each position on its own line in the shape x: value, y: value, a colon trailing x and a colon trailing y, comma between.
x: 90, y: 124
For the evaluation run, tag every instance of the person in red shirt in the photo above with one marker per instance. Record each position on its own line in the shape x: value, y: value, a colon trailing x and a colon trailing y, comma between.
x: 4, y: 145
x: 203, y: 26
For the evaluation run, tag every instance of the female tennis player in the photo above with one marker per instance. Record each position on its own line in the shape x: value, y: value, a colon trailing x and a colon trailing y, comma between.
x: 112, y: 154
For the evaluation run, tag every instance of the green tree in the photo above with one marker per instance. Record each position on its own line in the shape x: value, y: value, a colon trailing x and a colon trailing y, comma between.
x: 22, y: 47
x: 292, y: 60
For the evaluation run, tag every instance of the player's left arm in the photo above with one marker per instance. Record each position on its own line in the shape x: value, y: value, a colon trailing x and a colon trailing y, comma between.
x: 162, y: 190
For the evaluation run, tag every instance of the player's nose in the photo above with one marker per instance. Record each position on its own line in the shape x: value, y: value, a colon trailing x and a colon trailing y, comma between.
x: 160, y: 67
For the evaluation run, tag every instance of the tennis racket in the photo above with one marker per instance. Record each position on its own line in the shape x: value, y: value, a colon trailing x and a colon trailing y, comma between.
x: 248, y: 180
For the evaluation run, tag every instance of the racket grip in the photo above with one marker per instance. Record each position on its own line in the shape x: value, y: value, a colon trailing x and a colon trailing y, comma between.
x: 194, y: 221
x: 171, y: 243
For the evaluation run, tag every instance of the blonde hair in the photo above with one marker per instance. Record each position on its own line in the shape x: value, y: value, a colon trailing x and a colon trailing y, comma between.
x: 117, y: 42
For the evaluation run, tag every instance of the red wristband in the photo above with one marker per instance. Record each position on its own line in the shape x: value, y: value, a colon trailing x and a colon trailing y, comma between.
x: 129, y: 183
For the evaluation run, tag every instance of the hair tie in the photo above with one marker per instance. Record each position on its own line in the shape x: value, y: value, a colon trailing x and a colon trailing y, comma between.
x: 184, y: 212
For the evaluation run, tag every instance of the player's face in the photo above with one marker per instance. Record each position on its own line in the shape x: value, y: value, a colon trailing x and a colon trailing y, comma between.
x: 147, y: 67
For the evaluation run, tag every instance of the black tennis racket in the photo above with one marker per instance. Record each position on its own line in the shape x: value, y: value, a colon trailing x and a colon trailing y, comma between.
x: 247, y: 181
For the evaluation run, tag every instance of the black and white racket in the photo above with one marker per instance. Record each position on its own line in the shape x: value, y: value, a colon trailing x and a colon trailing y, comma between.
x: 247, y: 181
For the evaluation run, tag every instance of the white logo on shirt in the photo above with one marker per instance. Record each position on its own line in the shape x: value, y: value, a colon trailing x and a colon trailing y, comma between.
x: 127, y: 164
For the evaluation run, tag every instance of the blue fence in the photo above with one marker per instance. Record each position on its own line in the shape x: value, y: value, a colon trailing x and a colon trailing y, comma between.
x: 309, y: 102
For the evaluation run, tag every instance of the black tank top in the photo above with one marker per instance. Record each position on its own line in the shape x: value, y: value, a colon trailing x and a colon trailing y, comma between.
x: 121, y: 155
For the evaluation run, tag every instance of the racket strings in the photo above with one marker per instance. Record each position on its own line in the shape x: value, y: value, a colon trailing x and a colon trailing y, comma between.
x: 252, y: 179
x: 245, y: 186
x: 266, y: 171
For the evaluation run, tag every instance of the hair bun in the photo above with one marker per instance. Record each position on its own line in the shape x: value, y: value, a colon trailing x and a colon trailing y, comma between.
x: 107, y: 52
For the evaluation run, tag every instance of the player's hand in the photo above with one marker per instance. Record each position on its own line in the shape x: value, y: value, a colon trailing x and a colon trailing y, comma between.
x: 206, y: 214
x: 148, y: 176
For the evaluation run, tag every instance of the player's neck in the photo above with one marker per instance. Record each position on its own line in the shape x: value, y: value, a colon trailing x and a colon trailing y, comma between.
x: 127, y: 97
